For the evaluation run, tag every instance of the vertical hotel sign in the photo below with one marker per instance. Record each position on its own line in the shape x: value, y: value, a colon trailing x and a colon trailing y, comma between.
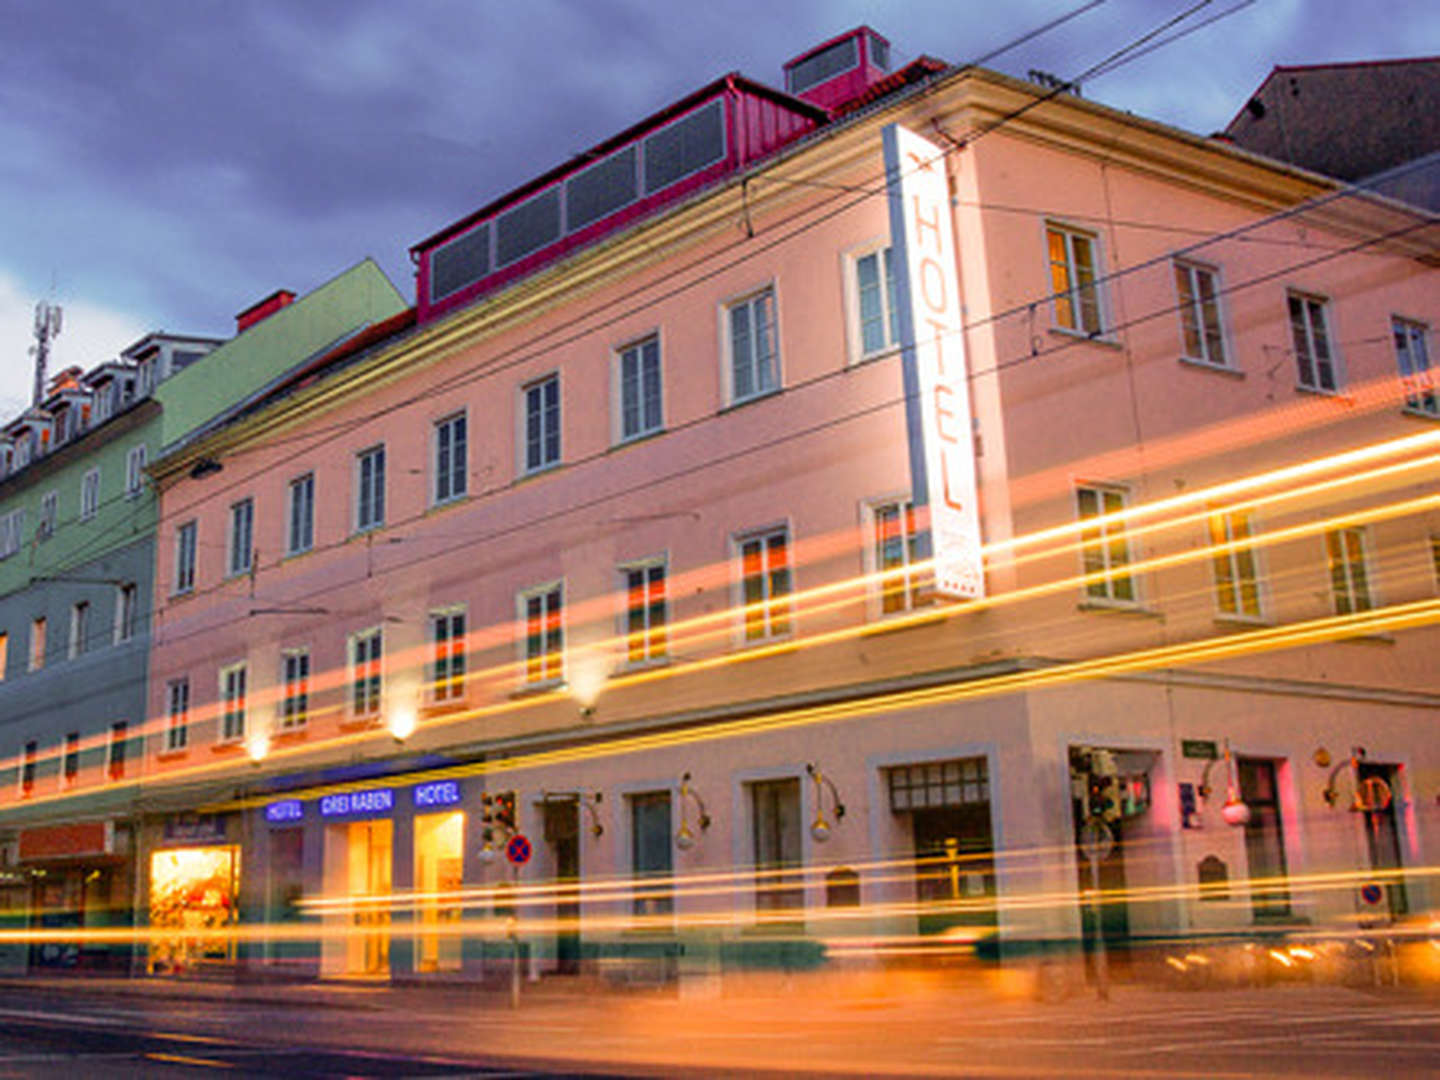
x: 937, y: 392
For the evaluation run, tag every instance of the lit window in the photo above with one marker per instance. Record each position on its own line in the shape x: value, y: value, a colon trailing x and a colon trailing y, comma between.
x: 895, y: 555
x: 450, y: 458
x: 365, y: 672
x: 90, y: 494
x: 542, y: 611
x: 1200, y: 313
x: 185, y: 545
x: 135, y: 470
x: 878, y: 326
x: 1237, y: 579
x: 127, y: 603
x: 1105, y: 549
x: 37, y: 643
x: 79, y: 628
x: 754, y: 354
x: 295, y: 674
x: 119, y: 744
x: 765, y: 583
x: 1349, y: 580
x: 1072, y: 280
x: 49, y: 510
x: 29, y: 768
x: 447, y: 664
x: 71, y: 769
x: 242, y: 536
x: 640, y: 401
x: 4, y: 654
x: 177, y: 714
x: 1314, y: 361
x: 300, y: 521
x: 645, y: 614
x: 232, y: 702
x: 542, y: 423
x: 1412, y: 354
x: 370, y: 488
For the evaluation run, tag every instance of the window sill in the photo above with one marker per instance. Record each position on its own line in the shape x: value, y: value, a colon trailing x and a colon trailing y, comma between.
x: 1242, y: 622
x: 1369, y: 639
x: 173, y: 755
x: 296, y: 732
x: 740, y: 403
x: 539, y: 470
x: 443, y: 708
x: 363, y: 531
x: 358, y: 722
x: 635, y: 667
x: 537, y: 689
x: 291, y: 556
x: 1419, y: 413
x: 625, y: 442
x: 439, y: 505
x: 1118, y: 607
x: 897, y: 622
x: 1216, y: 369
x: 228, y: 746
x: 1098, y: 338
x: 779, y: 645
x: 1320, y: 391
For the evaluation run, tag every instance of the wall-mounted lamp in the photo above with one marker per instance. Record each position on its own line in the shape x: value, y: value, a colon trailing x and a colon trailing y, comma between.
x: 1233, y: 811
x: 590, y: 802
x: 820, y: 828
x: 258, y: 747
x: 206, y: 466
x: 402, y: 723
x: 1331, y: 794
x: 684, y: 838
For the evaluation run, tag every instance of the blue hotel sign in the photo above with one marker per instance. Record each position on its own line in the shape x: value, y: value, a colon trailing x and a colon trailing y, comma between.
x: 438, y: 793
x: 346, y: 803
x: 285, y: 810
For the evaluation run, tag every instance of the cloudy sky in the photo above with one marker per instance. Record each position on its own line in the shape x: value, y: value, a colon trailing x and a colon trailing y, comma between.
x: 165, y: 163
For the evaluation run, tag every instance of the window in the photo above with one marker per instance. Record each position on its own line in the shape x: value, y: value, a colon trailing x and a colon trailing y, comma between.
x: 90, y: 494
x: 652, y: 853
x: 37, y: 643
x: 775, y: 834
x: 1237, y: 580
x: 134, y: 470
x: 640, y: 401
x: 12, y: 533
x: 71, y: 768
x: 450, y: 458
x: 29, y: 767
x: 370, y: 488
x: 79, y: 628
x: 765, y: 583
x: 242, y: 537
x: 49, y: 506
x: 543, y: 615
x: 185, y: 544
x: 894, y: 555
x: 1264, y: 838
x: 1105, y: 550
x: 1412, y: 353
x: 119, y: 743
x: 1200, y: 313
x: 365, y: 672
x: 645, y: 614
x: 232, y: 703
x: 177, y: 714
x: 1072, y: 280
x: 447, y: 644
x: 1313, y: 360
x: 754, y: 355
x: 300, y: 521
x: 4, y: 654
x: 295, y: 675
x: 1349, y: 581
x: 878, y: 320
x: 127, y: 602
x: 542, y: 423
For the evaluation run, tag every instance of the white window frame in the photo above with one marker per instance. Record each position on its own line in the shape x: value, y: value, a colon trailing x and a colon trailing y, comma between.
x: 1221, y: 529
x: 187, y: 552
x: 774, y: 612
x: 365, y: 703
x: 294, y: 689
x: 450, y: 684
x: 177, y: 714
x: 39, y: 634
x: 370, y: 492
x: 80, y: 615
x: 127, y: 610
x: 1097, y: 546
x: 12, y: 533
x: 1352, y: 585
x: 116, y: 750
x: 232, y: 695
x: 1307, y: 346
x: 915, y: 585
x: 1068, y: 304
x: 888, y: 319
x: 1203, y: 338
x: 748, y: 302
x: 449, y: 478
x: 300, y: 514
x: 240, y: 546
x: 135, y: 471
x: 632, y: 353
x: 547, y: 666
x: 648, y: 644
x: 1412, y: 358
x: 535, y: 404
x: 49, y: 513
x: 90, y: 494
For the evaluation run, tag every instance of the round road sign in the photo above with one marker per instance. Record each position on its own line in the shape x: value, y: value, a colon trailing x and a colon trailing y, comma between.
x: 1096, y: 840
x: 518, y: 850
x: 1372, y: 893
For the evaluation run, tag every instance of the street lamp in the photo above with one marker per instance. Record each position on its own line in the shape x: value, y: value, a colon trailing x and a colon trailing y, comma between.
x: 684, y: 838
x: 820, y: 828
x: 1234, y: 810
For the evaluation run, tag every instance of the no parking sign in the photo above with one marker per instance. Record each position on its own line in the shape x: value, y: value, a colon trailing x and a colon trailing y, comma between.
x: 518, y: 850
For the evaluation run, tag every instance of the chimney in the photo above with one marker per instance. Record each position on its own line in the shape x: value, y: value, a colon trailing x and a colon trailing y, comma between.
x: 262, y: 309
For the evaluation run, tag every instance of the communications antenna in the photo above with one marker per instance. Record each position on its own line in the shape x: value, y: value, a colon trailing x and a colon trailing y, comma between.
x: 47, y: 329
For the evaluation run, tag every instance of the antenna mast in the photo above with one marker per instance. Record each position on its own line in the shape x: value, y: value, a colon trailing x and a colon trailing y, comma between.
x: 47, y: 329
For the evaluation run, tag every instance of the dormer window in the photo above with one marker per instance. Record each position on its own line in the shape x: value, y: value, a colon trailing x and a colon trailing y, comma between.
x: 824, y: 65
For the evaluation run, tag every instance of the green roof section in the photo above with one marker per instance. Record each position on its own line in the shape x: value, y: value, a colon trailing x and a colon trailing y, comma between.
x: 253, y: 359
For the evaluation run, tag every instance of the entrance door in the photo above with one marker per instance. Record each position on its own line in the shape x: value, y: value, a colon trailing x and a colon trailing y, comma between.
x: 357, y: 868
x: 439, y: 849
x: 1382, y: 834
x: 562, y: 833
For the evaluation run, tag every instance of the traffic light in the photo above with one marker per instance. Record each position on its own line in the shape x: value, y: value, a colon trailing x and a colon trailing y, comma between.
x: 1110, y: 808
x: 498, y: 809
x: 1094, y: 796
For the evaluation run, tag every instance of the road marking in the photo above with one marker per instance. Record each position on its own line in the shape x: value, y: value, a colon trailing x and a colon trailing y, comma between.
x: 179, y: 1036
x: 35, y: 1014
x: 181, y: 1059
